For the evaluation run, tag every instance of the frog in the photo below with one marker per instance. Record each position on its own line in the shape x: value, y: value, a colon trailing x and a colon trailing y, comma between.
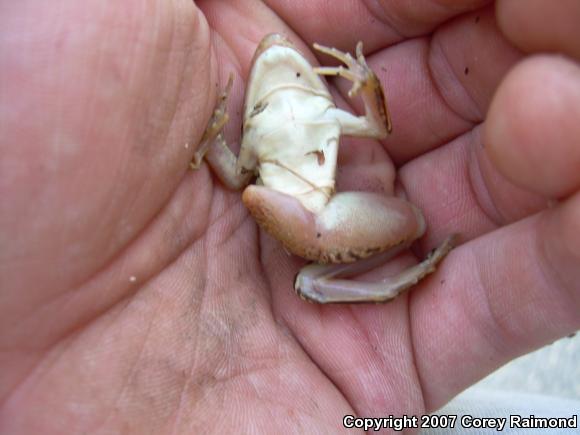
x: 290, y: 138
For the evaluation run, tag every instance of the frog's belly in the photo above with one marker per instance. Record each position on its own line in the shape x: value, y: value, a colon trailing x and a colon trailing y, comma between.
x: 298, y: 157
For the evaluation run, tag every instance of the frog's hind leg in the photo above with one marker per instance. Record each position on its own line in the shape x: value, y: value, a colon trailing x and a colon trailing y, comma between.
x: 359, y: 230
x: 322, y: 284
x: 350, y: 227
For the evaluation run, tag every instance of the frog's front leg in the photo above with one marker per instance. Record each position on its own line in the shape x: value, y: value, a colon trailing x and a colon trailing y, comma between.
x: 234, y: 172
x: 321, y: 283
x: 377, y: 122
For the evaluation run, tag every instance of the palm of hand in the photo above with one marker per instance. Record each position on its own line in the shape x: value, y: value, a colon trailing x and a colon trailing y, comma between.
x: 150, y: 301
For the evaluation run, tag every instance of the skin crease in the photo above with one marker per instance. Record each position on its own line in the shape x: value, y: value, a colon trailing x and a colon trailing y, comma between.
x: 139, y: 297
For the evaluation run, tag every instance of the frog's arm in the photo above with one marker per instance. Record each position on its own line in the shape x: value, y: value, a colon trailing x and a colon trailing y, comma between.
x: 377, y: 122
x: 234, y: 172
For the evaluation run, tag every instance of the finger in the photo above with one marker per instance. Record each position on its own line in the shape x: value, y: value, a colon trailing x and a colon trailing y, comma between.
x: 255, y: 20
x: 498, y: 297
x: 538, y: 25
x: 460, y: 191
x: 436, y: 88
x: 439, y: 88
x: 490, y: 270
x: 532, y: 131
x: 362, y: 349
x: 375, y: 23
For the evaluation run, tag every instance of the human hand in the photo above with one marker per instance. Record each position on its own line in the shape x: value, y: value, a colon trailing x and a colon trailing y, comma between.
x: 140, y: 297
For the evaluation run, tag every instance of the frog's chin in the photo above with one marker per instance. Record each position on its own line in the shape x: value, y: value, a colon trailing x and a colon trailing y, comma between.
x: 271, y: 40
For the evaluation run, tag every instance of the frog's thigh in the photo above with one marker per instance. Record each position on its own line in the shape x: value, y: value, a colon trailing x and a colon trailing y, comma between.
x: 351, y: 226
